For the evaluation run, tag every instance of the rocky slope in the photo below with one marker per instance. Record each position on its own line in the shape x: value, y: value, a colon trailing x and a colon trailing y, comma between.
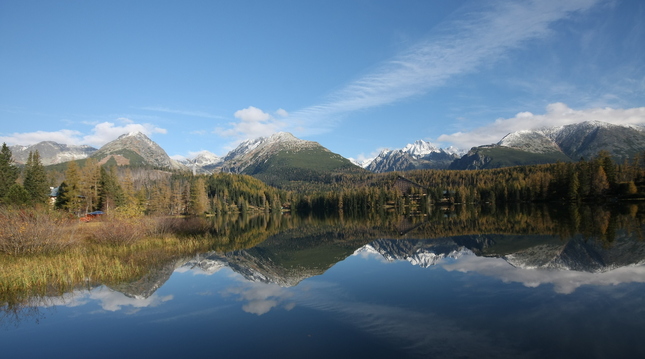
x: 136, y: 149
x: 204, y: 162
x: 418, y: 155
x: 51, y: 153
x: 282, y: 159
x: 549, y: 145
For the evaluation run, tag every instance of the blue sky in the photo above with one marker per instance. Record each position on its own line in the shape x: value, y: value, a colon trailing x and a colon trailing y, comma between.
x: 354, y: 75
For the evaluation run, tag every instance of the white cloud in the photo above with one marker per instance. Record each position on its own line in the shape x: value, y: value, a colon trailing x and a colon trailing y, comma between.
x: 252, y: 114
x: 458, y: 48
x: 30, y: 138
x: 105, y: 132
x: 253, y: 123
x: 100, y: 134
x: 557, y: 114
x: 282, y: 112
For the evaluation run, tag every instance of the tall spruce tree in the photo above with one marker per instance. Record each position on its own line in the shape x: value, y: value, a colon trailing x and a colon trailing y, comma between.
x: 35, y: 179
x: 9, y: 172
x: 71, y: 195
x: 110, y: 192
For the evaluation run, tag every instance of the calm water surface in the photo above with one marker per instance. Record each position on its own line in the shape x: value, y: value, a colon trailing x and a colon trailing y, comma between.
x: 329, y: 294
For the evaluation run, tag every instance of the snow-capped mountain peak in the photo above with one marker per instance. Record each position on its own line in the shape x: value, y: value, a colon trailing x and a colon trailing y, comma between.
x: 418, y: 155
x: 420, y: 148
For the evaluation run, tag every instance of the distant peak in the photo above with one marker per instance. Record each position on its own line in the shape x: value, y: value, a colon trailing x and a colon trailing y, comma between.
x: 133, y: 134
x: 283, y: 136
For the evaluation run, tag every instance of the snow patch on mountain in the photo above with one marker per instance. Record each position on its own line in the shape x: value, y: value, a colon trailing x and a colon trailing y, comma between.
x: 418, y: 155
x: 362, y: 163
x: 260, y: 149
x: 584, y: 139
x: 203, y: 162
x: 51, y: 152
x: 531, y: 141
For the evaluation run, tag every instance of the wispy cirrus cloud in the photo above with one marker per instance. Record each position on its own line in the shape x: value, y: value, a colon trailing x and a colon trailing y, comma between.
x: 459, y: 47
x: 181, y: 112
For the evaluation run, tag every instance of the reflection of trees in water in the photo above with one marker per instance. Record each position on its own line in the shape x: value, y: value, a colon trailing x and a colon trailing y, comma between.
x: 30, y: 309
x: 312, y: 244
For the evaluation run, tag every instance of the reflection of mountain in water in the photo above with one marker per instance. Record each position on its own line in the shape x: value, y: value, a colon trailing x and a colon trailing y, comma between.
x: 424, y: 253
x: 286, y: 258
x: 527, y: 252
x: 149, y: 283
x: 298, y: 253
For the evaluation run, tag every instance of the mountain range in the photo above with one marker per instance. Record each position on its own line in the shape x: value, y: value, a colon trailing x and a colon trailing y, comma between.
x: 417, y: 155
x: 270, y: 158
x: 51, y: 153
x: 563, y: 143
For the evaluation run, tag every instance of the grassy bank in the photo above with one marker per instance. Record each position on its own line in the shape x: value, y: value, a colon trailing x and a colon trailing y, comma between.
x: 45, y: 253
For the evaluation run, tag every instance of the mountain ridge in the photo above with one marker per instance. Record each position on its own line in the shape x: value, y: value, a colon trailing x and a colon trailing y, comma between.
x: 135, y: 148
x: 552, y: 144
x: 418, y: 155
x: 265, y: 156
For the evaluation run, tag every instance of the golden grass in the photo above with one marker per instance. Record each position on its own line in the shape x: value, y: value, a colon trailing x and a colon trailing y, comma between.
x: 24, y: 277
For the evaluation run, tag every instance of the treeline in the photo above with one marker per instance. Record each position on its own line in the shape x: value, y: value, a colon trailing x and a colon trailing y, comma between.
x: 596, y: 180
x: 135, y: 191
x: 593, y: 181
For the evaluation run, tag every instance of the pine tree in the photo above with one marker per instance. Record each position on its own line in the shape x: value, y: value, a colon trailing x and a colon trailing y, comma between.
x: 70, y: 194
x: 110, y: 192
x: 91, y: 183
x: 35, y: 182
x: 17, y: 195
x: 8, y: 171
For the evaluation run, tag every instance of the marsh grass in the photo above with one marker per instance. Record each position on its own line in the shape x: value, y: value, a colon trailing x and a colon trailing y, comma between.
x: 45, y: 253
x: 51, y: 274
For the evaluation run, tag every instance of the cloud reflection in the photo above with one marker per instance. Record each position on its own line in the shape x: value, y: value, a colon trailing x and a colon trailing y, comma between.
x: 261, y: 298
x: 564, y: 281
x: 108, y: 299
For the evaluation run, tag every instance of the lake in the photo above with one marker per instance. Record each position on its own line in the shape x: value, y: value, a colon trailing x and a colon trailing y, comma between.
x: 490, y: 284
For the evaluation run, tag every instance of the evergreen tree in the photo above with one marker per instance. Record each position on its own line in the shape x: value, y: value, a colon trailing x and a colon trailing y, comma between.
x: 61, y: 198
x: 90, y: 183
x: 70, y: 194
x: 110, y: 192
x: 35, y: 180
x: 8, y: 171
x: 17, y: 195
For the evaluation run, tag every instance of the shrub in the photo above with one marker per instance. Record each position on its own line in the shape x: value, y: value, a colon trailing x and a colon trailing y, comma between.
x: 34, y: 230
x: 117, y: 231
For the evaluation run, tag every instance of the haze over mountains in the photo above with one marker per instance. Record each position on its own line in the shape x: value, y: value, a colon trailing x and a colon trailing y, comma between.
x: 267, y: 156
